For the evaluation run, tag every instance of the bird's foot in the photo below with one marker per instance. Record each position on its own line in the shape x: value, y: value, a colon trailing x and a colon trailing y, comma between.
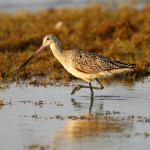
x: 77, y: 88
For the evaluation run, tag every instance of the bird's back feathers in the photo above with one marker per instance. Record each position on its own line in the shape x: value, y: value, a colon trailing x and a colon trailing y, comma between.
x: 93, y: 63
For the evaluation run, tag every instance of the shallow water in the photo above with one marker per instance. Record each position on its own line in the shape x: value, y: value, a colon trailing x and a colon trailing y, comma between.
x: 119, y: 118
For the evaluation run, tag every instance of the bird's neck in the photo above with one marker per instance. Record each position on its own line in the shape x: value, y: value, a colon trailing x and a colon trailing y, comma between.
x: 56, y: 50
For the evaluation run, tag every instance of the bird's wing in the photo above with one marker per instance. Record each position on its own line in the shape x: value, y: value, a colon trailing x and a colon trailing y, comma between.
x: 92, y: 63
x: 121, y: 64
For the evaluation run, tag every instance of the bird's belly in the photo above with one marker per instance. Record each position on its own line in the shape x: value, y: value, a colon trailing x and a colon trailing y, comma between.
x: 84, y: 76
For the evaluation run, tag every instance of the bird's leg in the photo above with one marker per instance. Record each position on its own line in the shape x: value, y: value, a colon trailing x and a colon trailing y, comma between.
x: 78, y: 87
x: 101, y: 85
x: 91, y: 90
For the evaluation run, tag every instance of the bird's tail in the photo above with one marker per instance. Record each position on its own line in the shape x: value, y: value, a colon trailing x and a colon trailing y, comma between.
x: 122, y: 67
x: 132, y: 65
x: 121, y: 64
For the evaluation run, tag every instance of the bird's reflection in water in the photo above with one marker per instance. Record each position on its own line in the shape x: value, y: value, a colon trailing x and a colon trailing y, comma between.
x: 91, y: 104
x: 78, y: 105
x: 88, y: 126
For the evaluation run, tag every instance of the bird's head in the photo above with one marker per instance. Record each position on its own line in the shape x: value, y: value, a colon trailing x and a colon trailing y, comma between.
x: 47, y: 41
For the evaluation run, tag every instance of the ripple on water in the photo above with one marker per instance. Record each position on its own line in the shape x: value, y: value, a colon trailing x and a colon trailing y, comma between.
x: 50, y: 117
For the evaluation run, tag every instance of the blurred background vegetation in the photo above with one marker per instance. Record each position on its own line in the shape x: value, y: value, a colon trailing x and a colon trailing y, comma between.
x: 121, y: 34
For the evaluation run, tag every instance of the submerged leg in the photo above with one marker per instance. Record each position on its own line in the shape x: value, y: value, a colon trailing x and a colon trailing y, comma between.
x: 78, y: 87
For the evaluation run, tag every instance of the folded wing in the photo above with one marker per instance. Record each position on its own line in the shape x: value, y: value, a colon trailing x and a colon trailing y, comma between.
x: 93, y: 63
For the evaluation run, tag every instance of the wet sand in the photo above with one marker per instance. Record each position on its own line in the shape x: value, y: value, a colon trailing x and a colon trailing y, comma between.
x: 50, y: 118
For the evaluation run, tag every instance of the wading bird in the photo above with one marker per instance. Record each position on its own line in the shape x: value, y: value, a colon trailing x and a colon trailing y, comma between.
x: 84, y: 65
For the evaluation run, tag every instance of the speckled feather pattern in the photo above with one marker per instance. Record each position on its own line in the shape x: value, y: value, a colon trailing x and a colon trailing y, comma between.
x: 93, y: 63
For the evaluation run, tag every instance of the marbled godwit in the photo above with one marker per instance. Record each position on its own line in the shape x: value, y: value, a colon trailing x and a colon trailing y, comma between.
x: 84, y: 65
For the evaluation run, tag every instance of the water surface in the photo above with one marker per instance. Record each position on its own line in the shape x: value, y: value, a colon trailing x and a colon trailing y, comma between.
x: 35, y: 117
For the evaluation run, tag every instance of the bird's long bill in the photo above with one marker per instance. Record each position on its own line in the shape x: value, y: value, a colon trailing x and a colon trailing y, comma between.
x: 40, y: 49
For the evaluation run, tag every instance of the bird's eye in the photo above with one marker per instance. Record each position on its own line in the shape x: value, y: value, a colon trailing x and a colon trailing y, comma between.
x: 47, y: 38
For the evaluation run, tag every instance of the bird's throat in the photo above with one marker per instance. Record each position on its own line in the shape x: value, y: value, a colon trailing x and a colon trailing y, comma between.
x: 56, y: 50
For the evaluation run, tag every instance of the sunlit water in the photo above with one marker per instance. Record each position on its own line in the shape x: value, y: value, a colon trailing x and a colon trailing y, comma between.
x: 48, y: 125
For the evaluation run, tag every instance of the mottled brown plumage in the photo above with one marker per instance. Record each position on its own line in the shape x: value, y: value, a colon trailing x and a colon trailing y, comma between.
x: 84, y: 65
x: 93, y: 63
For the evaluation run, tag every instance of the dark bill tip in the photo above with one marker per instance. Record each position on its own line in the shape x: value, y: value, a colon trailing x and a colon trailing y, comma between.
x: 41, y: 48
x: 26, y: 62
